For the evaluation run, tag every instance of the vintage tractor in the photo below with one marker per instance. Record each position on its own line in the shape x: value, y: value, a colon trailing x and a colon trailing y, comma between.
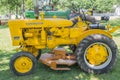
x: 93, y: 48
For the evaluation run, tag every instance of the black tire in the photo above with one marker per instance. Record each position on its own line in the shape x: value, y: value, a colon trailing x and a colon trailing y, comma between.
x: 39, y: 54
x: 96, y: 39
x: 23, y: 54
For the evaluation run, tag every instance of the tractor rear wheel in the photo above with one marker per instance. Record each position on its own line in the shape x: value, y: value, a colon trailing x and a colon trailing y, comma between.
x: 23, y: 63
x: 96, y: 54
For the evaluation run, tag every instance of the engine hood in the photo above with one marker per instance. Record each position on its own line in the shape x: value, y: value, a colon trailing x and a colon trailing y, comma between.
x: 54, y: 22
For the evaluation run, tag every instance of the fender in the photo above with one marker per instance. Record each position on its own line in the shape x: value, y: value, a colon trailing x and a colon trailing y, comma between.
x: 93, y: 31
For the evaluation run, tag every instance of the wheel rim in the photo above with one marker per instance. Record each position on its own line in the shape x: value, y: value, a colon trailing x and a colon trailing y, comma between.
x: 23, y: 64
x: 97, y: 55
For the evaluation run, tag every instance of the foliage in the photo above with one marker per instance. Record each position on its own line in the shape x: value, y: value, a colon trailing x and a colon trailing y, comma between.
x: 104, y: 6
x: 115, y: 22
x: 117, y: 2
x: 29, y: 4
x: 74, y: 4
x: 11, y: 4
x: 100, y: 5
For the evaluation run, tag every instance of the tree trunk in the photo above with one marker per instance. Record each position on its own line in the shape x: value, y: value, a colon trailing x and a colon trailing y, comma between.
x: 16, y: 12
x: 10, y: 13
x: 23, y: 9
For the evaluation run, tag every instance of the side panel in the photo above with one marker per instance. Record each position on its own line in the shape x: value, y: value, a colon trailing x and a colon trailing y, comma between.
x: 17, y: 26
x: 75, y: 37
x: 16, y: 32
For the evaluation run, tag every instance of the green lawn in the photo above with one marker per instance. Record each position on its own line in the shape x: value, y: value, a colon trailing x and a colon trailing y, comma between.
x: 45, y: 73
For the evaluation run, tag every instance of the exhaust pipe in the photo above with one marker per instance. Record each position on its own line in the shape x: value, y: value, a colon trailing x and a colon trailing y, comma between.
x: 36, y: 9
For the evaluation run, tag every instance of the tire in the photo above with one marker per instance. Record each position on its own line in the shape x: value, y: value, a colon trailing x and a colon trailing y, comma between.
x: 23, y: 63
x: 89, y: 61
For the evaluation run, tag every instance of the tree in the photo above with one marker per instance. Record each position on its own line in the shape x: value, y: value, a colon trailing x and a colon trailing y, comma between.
x: 29, y: 4
x: 117, y: 2
x: 104, y: 6
x: 16, y: 6
x: 11, y: 6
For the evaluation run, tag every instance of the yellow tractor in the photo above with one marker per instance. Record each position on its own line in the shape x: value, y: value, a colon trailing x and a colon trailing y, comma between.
x: 93, y: 48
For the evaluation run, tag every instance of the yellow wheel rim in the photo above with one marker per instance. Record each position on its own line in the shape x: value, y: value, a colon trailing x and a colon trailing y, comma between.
x: 23, y: 64
x: 97, y: 54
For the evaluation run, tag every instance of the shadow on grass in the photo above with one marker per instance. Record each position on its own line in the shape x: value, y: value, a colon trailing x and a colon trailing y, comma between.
x: 6, y: 54
x: 43, y: 72
x: 3, y: 26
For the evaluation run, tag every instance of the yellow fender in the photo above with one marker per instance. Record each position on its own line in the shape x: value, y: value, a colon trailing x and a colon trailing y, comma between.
x: 91, y: 32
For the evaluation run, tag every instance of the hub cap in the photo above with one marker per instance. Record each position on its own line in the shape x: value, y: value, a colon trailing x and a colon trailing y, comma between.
x: 98, y: 55
x: 23, y: 64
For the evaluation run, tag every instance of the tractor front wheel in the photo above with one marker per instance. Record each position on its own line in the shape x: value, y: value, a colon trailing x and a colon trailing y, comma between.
x: 96, y: 54
x: 23, y: 63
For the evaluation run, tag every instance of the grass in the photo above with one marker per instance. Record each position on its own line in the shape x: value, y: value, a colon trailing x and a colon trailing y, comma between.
x: 115, y: 22
x: 45, y: 73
